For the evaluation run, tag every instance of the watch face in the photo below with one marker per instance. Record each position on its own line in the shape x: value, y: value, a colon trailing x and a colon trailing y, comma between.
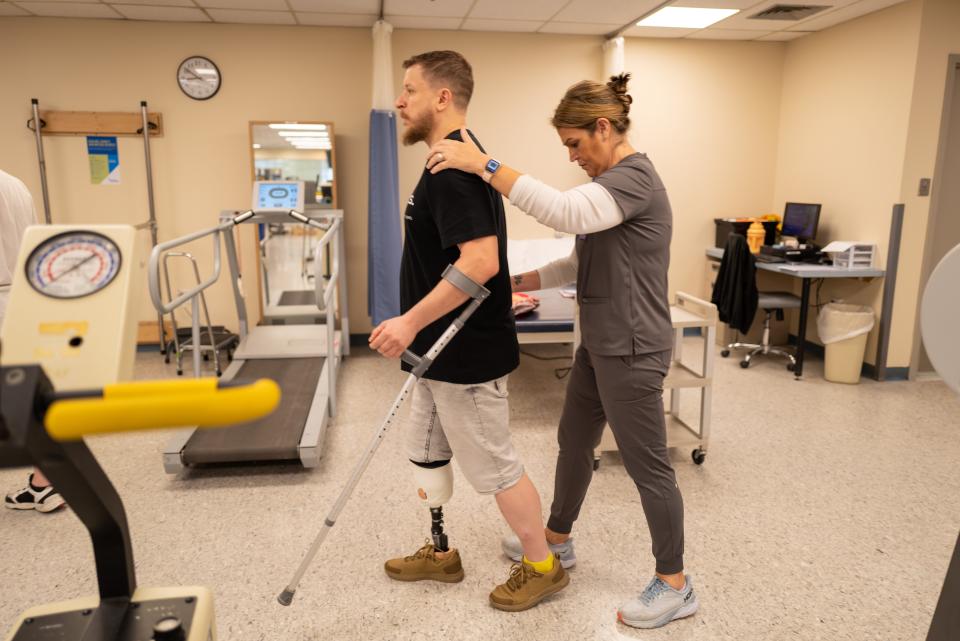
x: 199, y: 78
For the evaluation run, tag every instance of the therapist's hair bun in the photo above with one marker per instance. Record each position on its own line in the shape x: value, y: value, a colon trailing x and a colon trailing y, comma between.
x: 618, y: 85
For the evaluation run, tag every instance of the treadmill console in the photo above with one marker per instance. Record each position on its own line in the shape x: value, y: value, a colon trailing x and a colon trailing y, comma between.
x: 279, y: 195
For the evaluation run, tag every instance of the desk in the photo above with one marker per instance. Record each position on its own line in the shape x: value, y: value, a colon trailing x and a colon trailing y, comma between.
x: 806, y: 272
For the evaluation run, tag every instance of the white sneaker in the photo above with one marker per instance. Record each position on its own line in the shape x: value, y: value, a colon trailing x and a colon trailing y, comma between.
x: 510, y: 544
x: 658, y: 605
x: 42, y: 499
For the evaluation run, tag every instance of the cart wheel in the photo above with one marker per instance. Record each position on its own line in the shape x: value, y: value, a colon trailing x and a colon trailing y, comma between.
x: 206, y: 357
x: 790, y: 367
x: 179, y: 372
x: 219, y: 373
x: 698, y: 456
x: 744, y: 364
x: 596, y: 464
x: 725, y: 353
x: 166, y: 359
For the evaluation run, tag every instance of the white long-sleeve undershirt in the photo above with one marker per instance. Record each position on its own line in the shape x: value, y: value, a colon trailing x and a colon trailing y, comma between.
x: 585, y: 209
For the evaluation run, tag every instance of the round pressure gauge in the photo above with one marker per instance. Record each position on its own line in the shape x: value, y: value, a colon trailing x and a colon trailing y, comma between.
x: 73, y: 264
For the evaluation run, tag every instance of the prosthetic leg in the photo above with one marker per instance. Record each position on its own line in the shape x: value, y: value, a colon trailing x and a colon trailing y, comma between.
x: 420, y: 365
x: 435, y: 487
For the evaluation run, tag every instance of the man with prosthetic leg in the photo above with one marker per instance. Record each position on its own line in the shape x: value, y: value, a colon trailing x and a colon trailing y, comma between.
x: 459, y: 406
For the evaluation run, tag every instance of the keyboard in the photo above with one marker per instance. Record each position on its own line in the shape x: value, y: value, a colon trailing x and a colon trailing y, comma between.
x: 769, y: 258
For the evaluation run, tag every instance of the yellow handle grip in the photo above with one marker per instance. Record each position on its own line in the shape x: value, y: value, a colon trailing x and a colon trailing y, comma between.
x: 147, y: 405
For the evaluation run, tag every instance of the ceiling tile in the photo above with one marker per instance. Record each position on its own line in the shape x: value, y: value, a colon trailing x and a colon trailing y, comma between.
x: 261, y: 5
x: 336, y: 19
x: 581, y: 28
x: 724, y: 34
x: 337, y: 6
x: 170, y: 14
x: 251, y: 17
x: 482, y: 24
x: 658, y: 32
x: 424, y: 22
x: 783, y: 36
x: 513, y: 10
x: 69, y: 9
x: 849, y: 12
x: 158, y: 3
x: 448, y: 8
x: 7, y: 9
x: 618, y: 12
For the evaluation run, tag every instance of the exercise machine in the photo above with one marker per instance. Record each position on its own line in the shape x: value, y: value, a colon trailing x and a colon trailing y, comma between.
x: 71, y: 327
x: 303, y: 359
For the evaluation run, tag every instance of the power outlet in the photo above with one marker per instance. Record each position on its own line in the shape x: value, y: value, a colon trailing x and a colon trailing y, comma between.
x: 924, y: 187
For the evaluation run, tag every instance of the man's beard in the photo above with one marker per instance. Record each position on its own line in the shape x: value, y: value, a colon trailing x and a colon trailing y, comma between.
x: 418, y: 130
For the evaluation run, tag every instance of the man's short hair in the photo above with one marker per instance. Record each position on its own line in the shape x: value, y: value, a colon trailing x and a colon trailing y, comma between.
x: 447, y: 68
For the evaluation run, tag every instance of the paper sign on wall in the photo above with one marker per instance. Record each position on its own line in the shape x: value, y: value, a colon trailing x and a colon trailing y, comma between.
x: 104, y: 160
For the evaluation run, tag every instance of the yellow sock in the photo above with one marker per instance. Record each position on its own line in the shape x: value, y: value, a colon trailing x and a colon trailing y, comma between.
x: 540, y: 566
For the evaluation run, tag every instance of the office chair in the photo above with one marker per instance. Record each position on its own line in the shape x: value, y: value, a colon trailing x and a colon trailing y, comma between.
x: 737, y: 299
x: 771, y: 303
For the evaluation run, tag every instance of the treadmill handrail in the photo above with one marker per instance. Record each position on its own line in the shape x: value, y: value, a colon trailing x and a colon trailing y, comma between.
x: 154, y: 267
x: 324, y: 295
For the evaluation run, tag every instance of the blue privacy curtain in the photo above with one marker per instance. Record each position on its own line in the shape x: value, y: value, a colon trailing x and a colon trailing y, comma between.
x: 383, y: 226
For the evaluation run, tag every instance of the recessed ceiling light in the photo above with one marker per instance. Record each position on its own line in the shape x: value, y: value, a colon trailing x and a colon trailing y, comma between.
x: 686, y: 17
x: 298, y: 134
x: 294, y: 125
x: 256, y: 145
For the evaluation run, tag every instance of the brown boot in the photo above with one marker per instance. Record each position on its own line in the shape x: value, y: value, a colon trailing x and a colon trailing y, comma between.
x: 424, y: 565
x: 526, y: 587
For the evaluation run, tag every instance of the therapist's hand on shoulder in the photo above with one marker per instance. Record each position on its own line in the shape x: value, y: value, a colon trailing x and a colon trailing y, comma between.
x: 393, y: 336
x: 453, y: 154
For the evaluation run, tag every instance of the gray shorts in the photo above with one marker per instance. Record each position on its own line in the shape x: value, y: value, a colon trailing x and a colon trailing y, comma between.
x: 471, y: 422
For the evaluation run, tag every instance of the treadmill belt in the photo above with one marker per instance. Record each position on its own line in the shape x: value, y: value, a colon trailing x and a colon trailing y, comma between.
x: 298, y: 297
x: 273, y: 438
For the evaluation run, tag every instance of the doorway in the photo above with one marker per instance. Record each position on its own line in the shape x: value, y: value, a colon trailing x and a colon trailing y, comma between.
x: 943, y: 232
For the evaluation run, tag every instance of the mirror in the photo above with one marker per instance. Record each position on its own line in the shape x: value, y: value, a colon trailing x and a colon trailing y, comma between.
x: 292, y: 150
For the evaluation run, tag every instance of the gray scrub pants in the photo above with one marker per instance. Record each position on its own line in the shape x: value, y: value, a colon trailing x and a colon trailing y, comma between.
x: 627, y: 393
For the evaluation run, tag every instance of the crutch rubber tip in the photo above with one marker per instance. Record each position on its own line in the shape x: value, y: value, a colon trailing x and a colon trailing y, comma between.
x: 286, y: 597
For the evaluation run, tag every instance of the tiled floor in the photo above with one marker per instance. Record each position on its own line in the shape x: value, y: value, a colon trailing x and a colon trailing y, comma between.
x: 822, y: 512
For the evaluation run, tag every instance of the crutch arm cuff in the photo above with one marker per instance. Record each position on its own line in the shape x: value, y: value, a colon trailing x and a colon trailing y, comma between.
x: 464, y: 283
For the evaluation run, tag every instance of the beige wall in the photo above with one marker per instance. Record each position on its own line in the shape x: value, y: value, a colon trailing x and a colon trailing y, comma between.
x: 707, y: 113
x: 202, y: 163
x: 849, y: 117
x: 939, y: 37
x: 845, y: 107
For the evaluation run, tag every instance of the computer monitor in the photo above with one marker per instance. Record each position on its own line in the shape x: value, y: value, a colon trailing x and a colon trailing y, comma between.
x: 800, y: 221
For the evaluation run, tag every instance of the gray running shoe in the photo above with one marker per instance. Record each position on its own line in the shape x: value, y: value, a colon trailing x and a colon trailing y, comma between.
x: 511, y: 547
x: 658, y: 605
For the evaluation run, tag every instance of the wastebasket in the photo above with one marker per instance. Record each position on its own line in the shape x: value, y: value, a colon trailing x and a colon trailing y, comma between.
x: 843, y: 329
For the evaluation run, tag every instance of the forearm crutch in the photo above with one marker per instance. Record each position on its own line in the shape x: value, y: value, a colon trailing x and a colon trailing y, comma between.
x: 477, y: 293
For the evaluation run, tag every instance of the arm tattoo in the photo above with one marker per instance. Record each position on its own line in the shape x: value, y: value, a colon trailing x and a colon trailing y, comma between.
x: 518, y: 279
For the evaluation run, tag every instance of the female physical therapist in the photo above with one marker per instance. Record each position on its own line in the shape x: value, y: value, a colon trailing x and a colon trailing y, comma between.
x: 623, y: 224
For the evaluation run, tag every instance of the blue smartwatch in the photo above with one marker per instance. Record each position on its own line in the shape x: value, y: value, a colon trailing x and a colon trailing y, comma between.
x: 490, y: 169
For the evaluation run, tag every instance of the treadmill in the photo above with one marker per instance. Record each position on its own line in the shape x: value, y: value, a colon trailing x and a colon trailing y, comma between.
x: 303, y: 359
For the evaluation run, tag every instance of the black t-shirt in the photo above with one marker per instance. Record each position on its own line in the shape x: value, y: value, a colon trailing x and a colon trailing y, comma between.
x: 446, y: 209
